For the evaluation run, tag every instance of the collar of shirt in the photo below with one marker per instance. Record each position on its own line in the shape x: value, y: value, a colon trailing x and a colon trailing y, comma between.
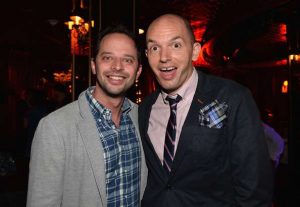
x: 159, y: 119
x: 100, y: 109
x: 186, y: 91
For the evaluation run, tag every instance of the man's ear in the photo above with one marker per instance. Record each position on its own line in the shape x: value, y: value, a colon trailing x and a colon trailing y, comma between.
x: 146, y: 52
x: 93, y: 66
x: 196, y: 51
x: 139, y: 71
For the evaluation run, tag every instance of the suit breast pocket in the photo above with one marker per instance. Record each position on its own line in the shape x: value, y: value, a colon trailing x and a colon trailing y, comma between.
x: 207, y: 145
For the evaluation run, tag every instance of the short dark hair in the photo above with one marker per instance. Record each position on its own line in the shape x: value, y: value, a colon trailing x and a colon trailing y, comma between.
x: 119, y: 28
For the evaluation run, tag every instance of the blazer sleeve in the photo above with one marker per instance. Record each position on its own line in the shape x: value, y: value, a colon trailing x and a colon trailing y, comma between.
x: 252, y: 171
x: 46, y: 167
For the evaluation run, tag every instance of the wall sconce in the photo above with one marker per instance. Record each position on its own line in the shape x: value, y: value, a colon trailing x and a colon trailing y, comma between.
x: 284, y: 86
x: 80, y: 36
x: 295, y: 58
x: 79, y: 28
x: 141, y: 31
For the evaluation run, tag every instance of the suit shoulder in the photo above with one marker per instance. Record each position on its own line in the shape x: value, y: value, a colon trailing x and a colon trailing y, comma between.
x: 223, y: 84
x: 64, y: 114
x: 134, y: 108
x: 132, y: 104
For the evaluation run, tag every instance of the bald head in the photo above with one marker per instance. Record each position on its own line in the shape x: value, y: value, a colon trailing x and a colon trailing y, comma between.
x: 171, y: 50
x: 172, y: 19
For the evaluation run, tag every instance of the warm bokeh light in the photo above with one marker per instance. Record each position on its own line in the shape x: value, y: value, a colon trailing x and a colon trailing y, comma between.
x: 69, y: 24
x: 77, y: 20
x: 294, y: 58
x: 141, y: 31
x: 282, y: 32
x: 199, y: 29
x: 281, y: 62
x: 79, y: 41
x: 284, y: 87
x: 138, y: 93
x: 63, y: 77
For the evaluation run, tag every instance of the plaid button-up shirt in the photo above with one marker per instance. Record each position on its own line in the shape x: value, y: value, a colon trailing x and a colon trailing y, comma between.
x: 121, y: 153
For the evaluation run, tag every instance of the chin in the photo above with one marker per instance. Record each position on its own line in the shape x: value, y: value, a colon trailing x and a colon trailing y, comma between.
x: 168, y: 88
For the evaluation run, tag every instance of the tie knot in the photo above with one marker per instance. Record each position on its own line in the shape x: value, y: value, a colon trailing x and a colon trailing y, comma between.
x: 173, y: 100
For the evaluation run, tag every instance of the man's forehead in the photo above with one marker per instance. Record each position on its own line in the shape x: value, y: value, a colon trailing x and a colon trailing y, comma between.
x: 169, y: 39
x: 156, y: 28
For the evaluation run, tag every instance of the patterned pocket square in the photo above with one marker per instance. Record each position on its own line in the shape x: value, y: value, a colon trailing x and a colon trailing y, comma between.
x: 213, y: 115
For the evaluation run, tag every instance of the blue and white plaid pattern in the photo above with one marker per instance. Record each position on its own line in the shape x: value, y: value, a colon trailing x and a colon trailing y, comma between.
x: 213, y: 114
x: 121, y: 152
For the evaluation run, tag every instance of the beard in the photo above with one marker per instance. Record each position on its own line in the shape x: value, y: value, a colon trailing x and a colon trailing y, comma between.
x: 114, y: 92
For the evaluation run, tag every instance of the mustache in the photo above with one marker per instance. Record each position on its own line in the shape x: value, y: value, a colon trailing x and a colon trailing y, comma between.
x: 117, y: 73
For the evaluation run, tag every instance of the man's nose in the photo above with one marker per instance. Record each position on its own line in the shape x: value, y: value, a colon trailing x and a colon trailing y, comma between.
x: 117, y: 64
x: 165, y: 55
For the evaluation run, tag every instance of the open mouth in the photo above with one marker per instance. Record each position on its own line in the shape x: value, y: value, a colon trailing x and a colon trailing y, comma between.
x: 167, y: 69
x: 117, y: 78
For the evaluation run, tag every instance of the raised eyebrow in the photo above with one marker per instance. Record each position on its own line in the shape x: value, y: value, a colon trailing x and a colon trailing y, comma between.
x: 176, y: 38
x: 105, y: 53
x: 151, y: 41
x: 173, y: 39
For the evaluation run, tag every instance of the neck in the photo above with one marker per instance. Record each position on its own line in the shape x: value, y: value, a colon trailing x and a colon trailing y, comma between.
x: 114, y: 104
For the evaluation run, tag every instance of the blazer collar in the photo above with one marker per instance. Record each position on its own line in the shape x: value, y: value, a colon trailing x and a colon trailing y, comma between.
x: 89, y: 133
x: 201, y: 97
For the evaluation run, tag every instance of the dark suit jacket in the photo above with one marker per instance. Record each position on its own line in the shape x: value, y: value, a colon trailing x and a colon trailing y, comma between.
x: 213, y: 167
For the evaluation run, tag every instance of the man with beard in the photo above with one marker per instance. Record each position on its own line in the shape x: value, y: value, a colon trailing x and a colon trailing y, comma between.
x: 88, y: 153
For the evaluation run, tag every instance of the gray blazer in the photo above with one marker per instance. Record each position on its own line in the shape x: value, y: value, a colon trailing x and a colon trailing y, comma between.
x: 67, y: 166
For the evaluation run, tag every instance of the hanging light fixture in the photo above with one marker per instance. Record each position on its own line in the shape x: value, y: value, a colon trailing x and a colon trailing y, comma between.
x: 79, y: 27
x: 78, y: 14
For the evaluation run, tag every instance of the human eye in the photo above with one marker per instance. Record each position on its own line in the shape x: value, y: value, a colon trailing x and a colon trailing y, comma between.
x: 128, y: 60
x: 153, y: 49
x: 106, y: 58
x: 176, y: 45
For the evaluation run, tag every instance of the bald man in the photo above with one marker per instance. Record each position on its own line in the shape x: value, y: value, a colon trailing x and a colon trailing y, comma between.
x: 213, y: 154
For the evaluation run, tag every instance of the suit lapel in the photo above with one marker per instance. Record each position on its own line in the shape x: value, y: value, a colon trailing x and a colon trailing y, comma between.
x: 200, y: 99
x: 184, y: 140
x: 153, y: 159
x: 90, y: 136
x: 134, y: 117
